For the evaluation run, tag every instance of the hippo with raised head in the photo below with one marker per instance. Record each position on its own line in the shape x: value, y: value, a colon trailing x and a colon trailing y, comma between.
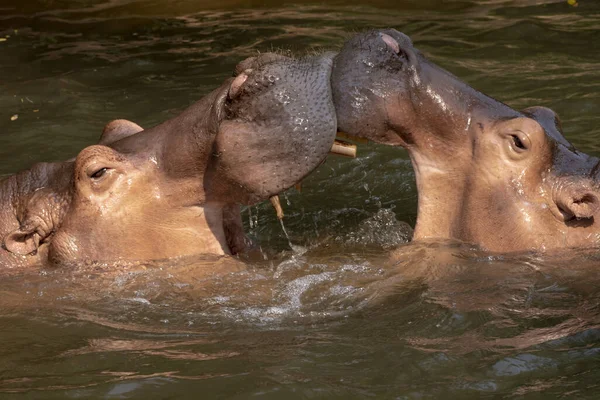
x: 486, y: 174
x: 175, y: 189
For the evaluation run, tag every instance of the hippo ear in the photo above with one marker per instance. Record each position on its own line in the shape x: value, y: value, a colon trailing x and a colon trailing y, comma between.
x: 22, y: 241
x: 117, y: 130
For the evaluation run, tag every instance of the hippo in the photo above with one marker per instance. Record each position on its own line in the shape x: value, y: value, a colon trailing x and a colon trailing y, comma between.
x: 175, y: 189
x: 486, y: 174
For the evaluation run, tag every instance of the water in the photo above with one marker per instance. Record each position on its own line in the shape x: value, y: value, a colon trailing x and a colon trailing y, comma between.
x: 357, y: 313
x: 287, y: 236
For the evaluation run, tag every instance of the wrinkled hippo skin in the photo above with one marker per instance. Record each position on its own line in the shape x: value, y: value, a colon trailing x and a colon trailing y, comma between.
x: 175, y: 189
x: 486, y: 174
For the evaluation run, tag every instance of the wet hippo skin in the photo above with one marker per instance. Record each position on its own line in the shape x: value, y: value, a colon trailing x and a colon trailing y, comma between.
x: 486, y: 174
x: 503, y: 179
x: 175, y: 189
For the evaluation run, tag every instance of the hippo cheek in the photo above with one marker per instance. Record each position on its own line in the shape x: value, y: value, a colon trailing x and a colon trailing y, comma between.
x: 279, y: 128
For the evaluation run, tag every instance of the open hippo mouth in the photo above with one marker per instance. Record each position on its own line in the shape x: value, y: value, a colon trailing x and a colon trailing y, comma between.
x: 486, y: 173
x: 269, y: 142
x: 175, y: 189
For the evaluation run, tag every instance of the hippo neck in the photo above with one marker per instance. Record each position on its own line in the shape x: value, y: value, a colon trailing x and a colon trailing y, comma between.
x: 440, y: 189
x: 442, y: 169
x: 181, y: 147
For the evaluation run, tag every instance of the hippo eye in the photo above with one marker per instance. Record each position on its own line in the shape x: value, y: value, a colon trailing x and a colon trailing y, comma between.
x: 518, y: 143
x: 98, y: 174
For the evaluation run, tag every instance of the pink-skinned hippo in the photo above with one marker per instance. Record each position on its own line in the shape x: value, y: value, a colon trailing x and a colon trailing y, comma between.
x: 175, y: 189
x: 503, y: 179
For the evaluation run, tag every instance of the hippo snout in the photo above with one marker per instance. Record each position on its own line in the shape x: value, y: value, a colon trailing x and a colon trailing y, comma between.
x: 280, y: 125
x: 373, y: 84
x: 401, y: 45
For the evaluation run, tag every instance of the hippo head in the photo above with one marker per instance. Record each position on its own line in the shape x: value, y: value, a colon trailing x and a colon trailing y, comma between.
x: 486, y: 174
x: 175, y: 189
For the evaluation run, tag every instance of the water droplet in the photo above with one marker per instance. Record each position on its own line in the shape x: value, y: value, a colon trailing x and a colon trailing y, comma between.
x: 286, y: 234
x: 250, y: 220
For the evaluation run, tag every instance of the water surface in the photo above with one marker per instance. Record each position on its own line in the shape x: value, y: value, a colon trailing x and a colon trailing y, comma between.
x: 343, y: 314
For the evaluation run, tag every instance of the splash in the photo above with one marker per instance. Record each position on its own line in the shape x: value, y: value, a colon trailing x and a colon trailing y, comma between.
x: 286, y: 234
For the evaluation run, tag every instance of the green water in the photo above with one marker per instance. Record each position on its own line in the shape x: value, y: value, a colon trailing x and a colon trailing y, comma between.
x: 335, y: 317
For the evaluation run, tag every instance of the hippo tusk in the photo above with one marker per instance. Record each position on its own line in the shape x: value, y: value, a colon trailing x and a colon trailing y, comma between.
x: 347, y: 136
x: 277, y: 206
x: 343, y: 149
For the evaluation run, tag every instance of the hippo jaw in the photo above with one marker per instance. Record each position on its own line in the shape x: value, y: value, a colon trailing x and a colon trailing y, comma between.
x: 486, y: 174
x: 270, y: 142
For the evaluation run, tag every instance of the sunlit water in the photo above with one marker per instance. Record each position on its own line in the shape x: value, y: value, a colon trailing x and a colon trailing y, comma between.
x: 343, y: 308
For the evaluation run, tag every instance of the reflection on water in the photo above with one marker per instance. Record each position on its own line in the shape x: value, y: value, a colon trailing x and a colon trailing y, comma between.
x: 439, y: 319
x: 343, y: 314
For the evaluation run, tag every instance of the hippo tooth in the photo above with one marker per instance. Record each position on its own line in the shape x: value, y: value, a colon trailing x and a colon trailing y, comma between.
x: 277, y: 206
x: 343, y: 149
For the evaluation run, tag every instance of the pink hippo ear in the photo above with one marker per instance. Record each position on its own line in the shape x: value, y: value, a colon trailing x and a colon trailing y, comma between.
x: 117, y: 130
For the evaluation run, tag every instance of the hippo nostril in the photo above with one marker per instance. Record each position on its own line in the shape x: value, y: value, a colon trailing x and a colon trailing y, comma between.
x: 400, y: 37
x: 237, y: 83
x: 391, y: 42
x: 586, y: 206
x: 400, y: 48
x: 244, y: 65
x: 587, y: 198
x: 580, y: 207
